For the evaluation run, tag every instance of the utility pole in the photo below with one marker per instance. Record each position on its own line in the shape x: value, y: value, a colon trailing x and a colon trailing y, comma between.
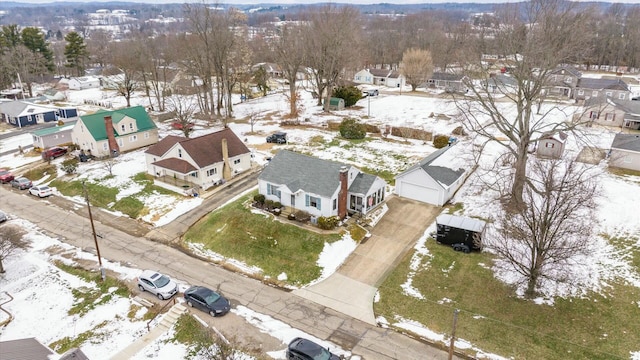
x: 93, y: 230
x: 453, y: 333
x: 368, y: 105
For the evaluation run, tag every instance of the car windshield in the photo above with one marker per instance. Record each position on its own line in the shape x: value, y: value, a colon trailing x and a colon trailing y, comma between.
x: 211, y: 298
x: 44, y: 188
x: 3, y: 172
x: 162, y: 281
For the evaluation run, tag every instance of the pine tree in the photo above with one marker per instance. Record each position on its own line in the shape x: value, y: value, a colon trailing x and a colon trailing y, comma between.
x: 75, y: 52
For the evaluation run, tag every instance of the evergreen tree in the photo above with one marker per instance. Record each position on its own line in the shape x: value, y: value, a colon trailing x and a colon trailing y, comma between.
x: 75, y: 52
x: 34, y: 40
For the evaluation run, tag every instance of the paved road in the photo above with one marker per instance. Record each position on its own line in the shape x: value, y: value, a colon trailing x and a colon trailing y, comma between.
x: 365, y: 340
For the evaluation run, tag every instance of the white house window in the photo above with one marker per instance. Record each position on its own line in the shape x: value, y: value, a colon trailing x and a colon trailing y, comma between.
x: 131, y: 126
x: 621, y: 96
x: 549, y: 145
x: 179, y: 153
x: 594, y: 115
x: 273, y: 190
x: 212, y: 172
x: 122, y: 127
x: 609, y: 93
x: 610, y: 117
x: 194, y: 174
x: 104, y: 146
x: 236, y: 161
x: 146, y: 135
x: 312, y: 201
x: 335, y: 204
x: 133, y: 138
x: 120, y: 142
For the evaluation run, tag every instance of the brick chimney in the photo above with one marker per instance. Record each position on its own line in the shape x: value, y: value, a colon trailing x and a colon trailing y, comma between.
x: 226, y: 166
x: 113, y: 144
x: 342, y: 195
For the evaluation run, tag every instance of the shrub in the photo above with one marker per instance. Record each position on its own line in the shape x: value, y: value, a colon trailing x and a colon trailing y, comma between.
x: 303, y: 216
x: 328, y: 223
x: 350, y: 128
x: 259, y: 198
x: 459, y: 131
x: 69, y: 166
x: 268, y: 204
x: 350, y: 94
x: 277, y: 205
x: 440, y: 141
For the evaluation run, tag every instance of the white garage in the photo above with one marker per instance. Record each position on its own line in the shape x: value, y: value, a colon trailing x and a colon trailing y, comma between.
x: 435, y: 179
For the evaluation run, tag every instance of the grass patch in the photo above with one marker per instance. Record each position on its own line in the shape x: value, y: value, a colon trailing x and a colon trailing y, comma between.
x: 88, y: 298
x: 40, y: 172
x: 129, y: 205
x: 623, y: 172
x: 99, y: 195
x: 357, y: 232
x: 68, y: 343
x: 386, y: 175
x: 317, y: 140
x: 495, y: 320
x: 627, y: 248
x: 146, y: 180
x: 259, y: 240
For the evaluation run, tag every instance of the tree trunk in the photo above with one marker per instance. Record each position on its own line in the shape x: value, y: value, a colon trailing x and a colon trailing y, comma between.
x: 1, y: 267
x: 293, y: 99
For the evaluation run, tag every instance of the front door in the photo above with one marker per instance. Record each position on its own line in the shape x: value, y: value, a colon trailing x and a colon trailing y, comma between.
x: 293, y: 200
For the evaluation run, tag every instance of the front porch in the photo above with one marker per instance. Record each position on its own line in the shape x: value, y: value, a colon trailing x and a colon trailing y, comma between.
x: 176, y: 184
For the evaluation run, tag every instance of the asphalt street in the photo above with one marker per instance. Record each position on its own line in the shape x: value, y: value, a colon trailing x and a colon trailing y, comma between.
x: 69, y: 225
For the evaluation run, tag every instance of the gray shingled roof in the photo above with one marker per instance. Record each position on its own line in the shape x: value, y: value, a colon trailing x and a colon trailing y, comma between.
x: 362, y: 183
x: 440, y: 174
x: 629, y: 142
x: 302, y: 172
x: 604, y: 84
x: 446, y: 76
x: 24, y: 349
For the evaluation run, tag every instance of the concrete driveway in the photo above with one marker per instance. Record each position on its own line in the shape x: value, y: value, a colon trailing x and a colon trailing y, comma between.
x: 351, y: 289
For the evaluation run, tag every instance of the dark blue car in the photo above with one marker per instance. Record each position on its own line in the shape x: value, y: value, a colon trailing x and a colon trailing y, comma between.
x: 207, y: 300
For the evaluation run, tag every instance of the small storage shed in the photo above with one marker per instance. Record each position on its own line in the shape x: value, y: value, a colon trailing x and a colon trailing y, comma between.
x: 462, y: 233
x: 336, y: 103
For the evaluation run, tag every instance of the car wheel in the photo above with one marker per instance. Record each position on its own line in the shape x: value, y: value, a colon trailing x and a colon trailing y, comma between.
x: 160, y: 297
x: 212, y: 313
x: 141, y: 288
x: 40, y: 196
x: 456, y: 248
x: 190, y: 303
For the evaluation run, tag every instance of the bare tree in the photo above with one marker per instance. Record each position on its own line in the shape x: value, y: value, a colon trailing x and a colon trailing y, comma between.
x: 98, y: 47
x: 11, y: 240
x: 332, y: 41
x: 540, y: 240
x: 183, y: 107
x: 546, y: 38
x: 28, y: 64
x: 108, y: 164
x: 417, y: 66
x: 288, y: 55
x: 125, y: 56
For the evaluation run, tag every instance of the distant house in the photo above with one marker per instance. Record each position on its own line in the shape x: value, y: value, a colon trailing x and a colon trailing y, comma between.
x: 85, y: 82
x: 448, y: 82
x: 23, y: 113
x: 625, y: 152
x: 612, y: 112
x: 604, y: 88
x: 200, y: 162
x: 382, y: 77
x: 273, y: 70
x: 501, y: 84
x: 551, y: 145
x: 563, y: 81
x: 320, y: 187
x: 435, y: 179
x: 53, y: 136
x: 108, y: 133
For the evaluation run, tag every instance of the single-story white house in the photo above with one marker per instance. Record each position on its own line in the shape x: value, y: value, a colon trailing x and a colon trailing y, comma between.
x: 84, y: 82
x: 383, y: 77
x: 320, y: 187
x: 435, y: 179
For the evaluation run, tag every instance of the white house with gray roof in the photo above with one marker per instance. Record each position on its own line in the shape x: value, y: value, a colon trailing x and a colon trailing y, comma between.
x: 625, y: 152
x: 435, y: 179
x: 320, y: 187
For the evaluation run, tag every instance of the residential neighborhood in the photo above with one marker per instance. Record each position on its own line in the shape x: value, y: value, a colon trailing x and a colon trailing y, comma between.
x: 441, y: 184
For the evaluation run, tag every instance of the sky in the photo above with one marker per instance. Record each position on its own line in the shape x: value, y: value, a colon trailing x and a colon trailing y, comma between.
x: 617, y: 214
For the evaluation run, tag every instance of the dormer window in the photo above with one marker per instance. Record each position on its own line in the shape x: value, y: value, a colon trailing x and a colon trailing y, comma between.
x: 122, y: 127
x: 179, y: 153
x: 131, y: 126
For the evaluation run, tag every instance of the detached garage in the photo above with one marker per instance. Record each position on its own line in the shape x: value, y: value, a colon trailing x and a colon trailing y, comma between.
x: 435, y: 179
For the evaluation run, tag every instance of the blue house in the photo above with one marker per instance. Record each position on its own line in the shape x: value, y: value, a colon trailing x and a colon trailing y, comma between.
x: 23, y: 113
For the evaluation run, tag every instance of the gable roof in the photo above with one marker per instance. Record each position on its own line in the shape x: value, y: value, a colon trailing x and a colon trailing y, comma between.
x: 629, y: 142
x: 602, y: 84
x: 204, y: 150
x: 176, y: 164
x: 567, y: 69
x: 560, y: 136
x: 24, y: 349
x: 95, y: 122
x: 383, y: 73
x: 446, y: 76
x: 303, y: 173
x: 442, y: 166
x: 19, y: 108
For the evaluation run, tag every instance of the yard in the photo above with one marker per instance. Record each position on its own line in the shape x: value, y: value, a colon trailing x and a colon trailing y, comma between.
x: 270, y: 247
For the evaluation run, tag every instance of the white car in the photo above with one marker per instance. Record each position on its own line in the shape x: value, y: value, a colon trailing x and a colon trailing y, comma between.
x: 158, y: 284
x: 41, y: 191
x: 3, y: 217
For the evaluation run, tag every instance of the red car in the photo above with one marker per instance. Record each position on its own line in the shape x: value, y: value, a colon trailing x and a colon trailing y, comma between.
x: 178, y: 125
x: 53, y: 153
x: 6, y: 176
